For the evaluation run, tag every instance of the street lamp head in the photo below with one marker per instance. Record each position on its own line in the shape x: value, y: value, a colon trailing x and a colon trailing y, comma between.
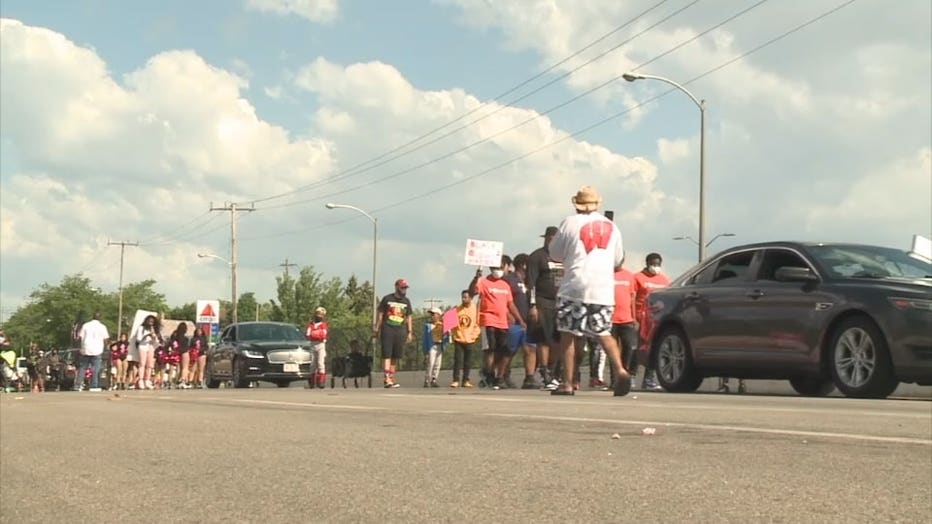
x: 202, y: 255
x: 631, y: 77
x: 728, y: 234
x: 679, y: 238
x: 330, y: 205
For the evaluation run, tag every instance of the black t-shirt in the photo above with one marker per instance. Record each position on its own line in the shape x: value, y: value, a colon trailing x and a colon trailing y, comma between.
x: 543, y: 275
x: 395, y: 310
x: 519, y: 294
x: 178, y: 343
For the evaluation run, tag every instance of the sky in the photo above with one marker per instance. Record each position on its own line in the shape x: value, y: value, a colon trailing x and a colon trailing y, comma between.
x: 446, y: 120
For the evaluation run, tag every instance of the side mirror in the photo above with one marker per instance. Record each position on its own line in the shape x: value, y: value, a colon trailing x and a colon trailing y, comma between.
x: 795, y: 274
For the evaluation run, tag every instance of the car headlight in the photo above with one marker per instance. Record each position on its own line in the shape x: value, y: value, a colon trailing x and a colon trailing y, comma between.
x: 911, y: 303
x: 251, y: 353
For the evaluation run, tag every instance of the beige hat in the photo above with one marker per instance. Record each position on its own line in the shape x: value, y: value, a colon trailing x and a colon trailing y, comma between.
x: 587, y: 199
x: 321, y: 309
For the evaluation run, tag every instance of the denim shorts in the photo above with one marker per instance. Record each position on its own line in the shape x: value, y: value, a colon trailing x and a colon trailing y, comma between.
x: 517, y: 338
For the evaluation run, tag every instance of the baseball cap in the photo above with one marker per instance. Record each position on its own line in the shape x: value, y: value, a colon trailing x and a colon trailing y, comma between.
x: 401, y: 283
x: 435, y: 310
x: 551, y: 231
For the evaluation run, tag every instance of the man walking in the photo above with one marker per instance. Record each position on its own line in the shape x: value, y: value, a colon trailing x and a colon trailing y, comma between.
x: 645, y: 281
x: 543, y: 280
x: 94, y: 337
x: 394, y: 328
x: 590, y: 248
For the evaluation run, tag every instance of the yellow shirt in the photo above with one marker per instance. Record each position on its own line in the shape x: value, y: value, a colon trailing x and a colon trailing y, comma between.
x: 467, y: 329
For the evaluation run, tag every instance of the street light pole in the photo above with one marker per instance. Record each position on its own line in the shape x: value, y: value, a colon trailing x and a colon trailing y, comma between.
x: 375, y: 240
x: 631, y: 77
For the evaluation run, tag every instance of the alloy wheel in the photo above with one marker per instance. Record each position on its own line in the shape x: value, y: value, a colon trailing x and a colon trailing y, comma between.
x: 855, y: 357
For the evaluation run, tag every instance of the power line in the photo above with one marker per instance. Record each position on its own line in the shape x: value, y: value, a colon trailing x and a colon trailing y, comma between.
x: 364, y: 166
x: 524, y: 122
x: 585, y: 129
x: 174, y: 231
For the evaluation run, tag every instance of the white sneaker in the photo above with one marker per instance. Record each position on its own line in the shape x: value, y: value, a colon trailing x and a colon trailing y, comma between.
x: 553, y: 385
x: 148, y: 384
x: 95, y: 390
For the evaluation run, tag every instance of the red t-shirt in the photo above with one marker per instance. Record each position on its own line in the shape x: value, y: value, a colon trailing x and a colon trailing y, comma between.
x: 644, y: 284
x: 624, y: 294
x: 494, y: 296
x: 316, y: 331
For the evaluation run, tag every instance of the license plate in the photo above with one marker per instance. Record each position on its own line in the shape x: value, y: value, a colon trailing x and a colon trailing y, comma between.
x: 291, y: 368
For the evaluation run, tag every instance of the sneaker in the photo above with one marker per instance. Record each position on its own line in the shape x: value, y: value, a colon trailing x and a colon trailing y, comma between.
x: 95, y: 390
x: 596, y: 383
x: 483, y: 383
x: 650, y: 384
x: 455, y: 384
x: 499, y: 384
x: 434, y: 384
x: 634, y: 382
x: 467, y: 384
x: 529, y: 383
x: 552, y: 385
x: 148, y: 384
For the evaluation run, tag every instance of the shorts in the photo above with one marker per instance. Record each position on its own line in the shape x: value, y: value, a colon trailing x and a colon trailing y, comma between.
x: 393, y: 342
x: 517, y: 338
x: 498, y: 340
x: 545, y: 330
x: 583, y: 319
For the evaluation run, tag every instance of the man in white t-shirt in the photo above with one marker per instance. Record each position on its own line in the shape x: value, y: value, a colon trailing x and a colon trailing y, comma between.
x: 94, y: 337
x: 590, y: 248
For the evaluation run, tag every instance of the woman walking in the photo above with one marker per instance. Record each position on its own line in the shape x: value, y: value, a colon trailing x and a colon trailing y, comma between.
x: 148, y: 338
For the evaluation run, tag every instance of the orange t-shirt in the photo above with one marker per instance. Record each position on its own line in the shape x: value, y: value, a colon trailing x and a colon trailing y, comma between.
x: 624, y: 294
x: 644, y: 283
x: 494, y: 296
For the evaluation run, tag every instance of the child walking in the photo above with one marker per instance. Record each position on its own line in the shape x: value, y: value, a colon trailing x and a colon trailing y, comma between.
x: 433, y: 347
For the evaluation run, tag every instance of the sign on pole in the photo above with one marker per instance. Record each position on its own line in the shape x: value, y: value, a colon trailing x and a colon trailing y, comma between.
x: 486, y: 253
x: 208, y: 312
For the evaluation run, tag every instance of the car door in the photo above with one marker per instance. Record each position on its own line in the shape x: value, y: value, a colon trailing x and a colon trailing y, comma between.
x: 222, y: 354
x: 784, y: 315
x: 712, y: 306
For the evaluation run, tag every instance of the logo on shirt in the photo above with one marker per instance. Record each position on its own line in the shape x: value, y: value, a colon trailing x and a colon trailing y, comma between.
x: 596, y: 235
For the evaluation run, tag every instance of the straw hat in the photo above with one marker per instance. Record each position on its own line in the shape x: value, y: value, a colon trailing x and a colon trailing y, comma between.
x: 587, y: 199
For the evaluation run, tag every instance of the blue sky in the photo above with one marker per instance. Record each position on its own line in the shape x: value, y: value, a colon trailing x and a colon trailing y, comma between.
x: 821, y: 136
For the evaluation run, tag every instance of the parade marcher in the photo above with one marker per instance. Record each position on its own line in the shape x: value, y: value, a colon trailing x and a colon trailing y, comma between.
x: 646, y: 281
x: 624, y: 325
x: 516, y: 277
x: 197, y: 357
x: 394, y: 328
x: 465, y: 335
x: 94, y: 337
x: 148, y: 337
x: 433, y: 342
x: 316, y: 332
x: 119, y: 351
x: 543, y: 280
x: 495, y: 304
x: 180, y: 345
x: 590, y: 248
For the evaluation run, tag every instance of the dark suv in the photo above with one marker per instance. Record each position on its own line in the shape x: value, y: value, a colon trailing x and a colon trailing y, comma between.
x: 854, y: 317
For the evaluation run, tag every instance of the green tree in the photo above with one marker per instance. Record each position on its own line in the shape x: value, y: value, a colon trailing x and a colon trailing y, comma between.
x: 183, y: 312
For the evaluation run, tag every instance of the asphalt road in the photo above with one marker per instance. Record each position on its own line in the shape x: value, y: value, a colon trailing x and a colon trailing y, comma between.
x: 416, y: 455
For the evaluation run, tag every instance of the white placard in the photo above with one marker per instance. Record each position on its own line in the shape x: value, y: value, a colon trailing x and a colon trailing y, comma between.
x: 487, y: 253
x: 922, y: 248
x: 207, y: 312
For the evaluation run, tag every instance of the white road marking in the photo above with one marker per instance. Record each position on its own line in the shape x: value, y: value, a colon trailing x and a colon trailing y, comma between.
x: 301, y: 404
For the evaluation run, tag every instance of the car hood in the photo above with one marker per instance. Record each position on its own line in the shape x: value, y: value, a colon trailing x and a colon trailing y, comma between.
x: 267, y: 345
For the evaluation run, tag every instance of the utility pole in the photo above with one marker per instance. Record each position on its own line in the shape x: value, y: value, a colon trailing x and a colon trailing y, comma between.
x: 286, y: 265
x: 432, y: 301
x: 232, y: 207
x: 122, y: 245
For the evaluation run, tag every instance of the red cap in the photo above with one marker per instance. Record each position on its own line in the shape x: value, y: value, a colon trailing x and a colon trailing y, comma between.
x: 401, y: 283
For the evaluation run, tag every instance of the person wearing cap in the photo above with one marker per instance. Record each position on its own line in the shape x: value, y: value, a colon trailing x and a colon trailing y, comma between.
x: 590, y: 248
x: 317, y: 333
x: 433, y: 341
x: 542, y: 281
x: 394, y: 328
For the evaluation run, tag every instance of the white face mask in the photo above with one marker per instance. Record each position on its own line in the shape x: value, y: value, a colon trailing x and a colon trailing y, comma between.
x: 497, y: 273
x: 654, y: 269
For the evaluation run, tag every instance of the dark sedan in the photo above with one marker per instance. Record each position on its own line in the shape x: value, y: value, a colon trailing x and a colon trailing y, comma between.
x: 268, y: 351
x: 854, y: 317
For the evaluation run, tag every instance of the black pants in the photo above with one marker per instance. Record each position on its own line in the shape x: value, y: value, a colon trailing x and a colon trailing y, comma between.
x: 462, y: 358
x: 627, y: 337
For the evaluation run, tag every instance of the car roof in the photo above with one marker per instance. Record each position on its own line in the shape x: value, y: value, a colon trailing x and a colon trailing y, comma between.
x: 262, y: 323
x: 799, y: 244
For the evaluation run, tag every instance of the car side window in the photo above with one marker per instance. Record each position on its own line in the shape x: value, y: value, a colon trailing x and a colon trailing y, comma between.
x: 774, y: 259
x: 733, y: 267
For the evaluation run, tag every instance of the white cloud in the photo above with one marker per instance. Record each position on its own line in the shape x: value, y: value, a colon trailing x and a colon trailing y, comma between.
x: 672, y: 151
x: 319, y: 11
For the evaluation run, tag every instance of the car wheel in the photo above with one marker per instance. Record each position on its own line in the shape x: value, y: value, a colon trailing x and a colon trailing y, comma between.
x: 812, y: 387
x: 860, y: 361
x: 239, y: 374
x: 209, y: 379
x: 283, y: 383
x: 674, y: 362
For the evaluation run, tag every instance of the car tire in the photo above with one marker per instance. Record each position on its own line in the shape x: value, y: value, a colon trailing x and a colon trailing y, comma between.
x: 283, y: 383
x: 673, y: 362
x: 812, y: 387
x: 239, y: 374
x: 860, y: 360
x: 209, y: 379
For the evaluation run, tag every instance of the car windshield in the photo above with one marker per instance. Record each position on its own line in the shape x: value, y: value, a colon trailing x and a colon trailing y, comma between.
x: 869, y: 262
x: 268, y: 332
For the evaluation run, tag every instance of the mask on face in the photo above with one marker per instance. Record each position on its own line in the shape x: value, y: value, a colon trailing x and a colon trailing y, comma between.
x: 497, y: 273
x: 654, y: 269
